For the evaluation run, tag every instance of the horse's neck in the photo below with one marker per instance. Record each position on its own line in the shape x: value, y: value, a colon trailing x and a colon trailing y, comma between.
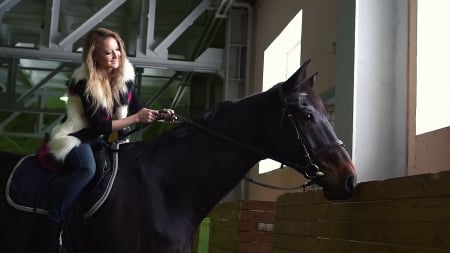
x: 200, y: 168
x: 225, y: 160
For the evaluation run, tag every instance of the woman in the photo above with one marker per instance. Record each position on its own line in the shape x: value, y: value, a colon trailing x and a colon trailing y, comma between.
x: 101, y: 100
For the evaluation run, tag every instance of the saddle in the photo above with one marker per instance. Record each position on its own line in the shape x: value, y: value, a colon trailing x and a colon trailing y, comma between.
x: 28, y: 188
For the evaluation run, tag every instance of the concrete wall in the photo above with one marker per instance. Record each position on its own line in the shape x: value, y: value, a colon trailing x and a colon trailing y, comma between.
x: 243, y: 226
x: 318, y: 40
x: 406, y: 214
x: 432, y: 152
x: 381, y: 84
x: 318, y: 36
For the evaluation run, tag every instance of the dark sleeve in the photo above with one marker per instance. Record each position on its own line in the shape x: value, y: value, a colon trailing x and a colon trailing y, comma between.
x: 134, y: 103
x: 99, y: 120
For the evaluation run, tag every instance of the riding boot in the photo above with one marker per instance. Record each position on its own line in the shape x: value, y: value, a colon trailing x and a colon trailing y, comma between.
x: 46, y: 236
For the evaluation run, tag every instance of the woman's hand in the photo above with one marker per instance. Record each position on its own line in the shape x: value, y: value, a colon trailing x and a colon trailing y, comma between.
x: 167, y: 115
x: 146, y: 115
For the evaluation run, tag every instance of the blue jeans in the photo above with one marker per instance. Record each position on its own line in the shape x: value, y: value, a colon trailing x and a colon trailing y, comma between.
x: 68, y: 186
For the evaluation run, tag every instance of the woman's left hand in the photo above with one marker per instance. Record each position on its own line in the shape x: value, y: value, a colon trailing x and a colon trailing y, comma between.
x: 167, y: 115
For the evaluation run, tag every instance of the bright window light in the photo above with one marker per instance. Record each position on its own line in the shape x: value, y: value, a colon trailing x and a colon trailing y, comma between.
x: 433, y: 66
x: 64, y: 98
x: 281, y: 59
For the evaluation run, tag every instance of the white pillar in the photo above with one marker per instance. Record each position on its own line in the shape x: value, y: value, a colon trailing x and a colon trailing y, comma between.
x: 374, y: 83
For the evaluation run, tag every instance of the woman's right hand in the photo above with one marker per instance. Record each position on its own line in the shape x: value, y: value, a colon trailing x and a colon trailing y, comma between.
x: 167, y: 115
x: 146, y: 115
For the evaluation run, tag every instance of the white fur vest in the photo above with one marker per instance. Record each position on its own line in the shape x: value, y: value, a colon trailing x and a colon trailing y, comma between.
x: 61, y: 142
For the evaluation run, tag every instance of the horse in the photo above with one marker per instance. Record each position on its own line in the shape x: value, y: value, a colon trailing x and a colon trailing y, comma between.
x: 167, y: 185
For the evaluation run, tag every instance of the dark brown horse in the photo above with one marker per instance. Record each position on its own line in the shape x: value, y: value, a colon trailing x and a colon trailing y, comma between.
x: 166, y: 186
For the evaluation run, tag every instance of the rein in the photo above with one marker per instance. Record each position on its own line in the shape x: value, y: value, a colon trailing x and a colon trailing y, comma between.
x: 233, y: 141
x: 311, y: 170
x: 251, y: 149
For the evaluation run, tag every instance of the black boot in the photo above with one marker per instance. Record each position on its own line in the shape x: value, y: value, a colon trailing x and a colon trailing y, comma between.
x: 46, y: 236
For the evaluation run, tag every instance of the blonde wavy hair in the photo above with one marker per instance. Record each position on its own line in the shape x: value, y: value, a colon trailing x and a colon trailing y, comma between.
x: 103, y: 88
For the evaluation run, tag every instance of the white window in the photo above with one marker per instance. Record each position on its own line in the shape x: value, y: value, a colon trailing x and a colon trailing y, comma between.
x: 433, y: 66
x: 281, y: 59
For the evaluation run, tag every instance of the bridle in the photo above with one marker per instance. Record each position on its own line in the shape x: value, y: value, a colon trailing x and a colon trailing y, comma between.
x: 310, y: 170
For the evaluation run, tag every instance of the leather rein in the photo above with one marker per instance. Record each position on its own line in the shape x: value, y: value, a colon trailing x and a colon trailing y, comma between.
x: 311, y: 170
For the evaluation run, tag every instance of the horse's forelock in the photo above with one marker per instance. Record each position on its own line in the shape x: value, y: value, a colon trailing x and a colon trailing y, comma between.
x: 315, y: 100
x: 303, y: 92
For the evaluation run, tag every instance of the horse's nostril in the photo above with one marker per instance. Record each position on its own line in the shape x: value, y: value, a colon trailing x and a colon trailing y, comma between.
x: 350, y: 183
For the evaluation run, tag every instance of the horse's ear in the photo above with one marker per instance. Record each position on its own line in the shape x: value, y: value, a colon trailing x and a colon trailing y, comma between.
x: 298, y: 76
x: 308, y: 83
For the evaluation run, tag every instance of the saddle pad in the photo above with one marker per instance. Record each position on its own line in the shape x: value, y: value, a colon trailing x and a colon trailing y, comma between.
x: 27, y: 187
x: 99, y: 193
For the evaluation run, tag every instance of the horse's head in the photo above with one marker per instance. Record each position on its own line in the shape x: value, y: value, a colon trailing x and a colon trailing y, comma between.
x: 309, y: 140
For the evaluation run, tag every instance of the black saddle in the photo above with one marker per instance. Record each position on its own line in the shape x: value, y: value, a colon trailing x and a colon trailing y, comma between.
x: 28, y: 188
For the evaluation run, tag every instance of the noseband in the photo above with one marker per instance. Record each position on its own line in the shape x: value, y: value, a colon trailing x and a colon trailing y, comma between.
x: 311, y: 170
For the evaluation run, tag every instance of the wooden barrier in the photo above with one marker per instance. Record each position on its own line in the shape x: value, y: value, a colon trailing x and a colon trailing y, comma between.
x: 399, y: 215
x: 242, y: 227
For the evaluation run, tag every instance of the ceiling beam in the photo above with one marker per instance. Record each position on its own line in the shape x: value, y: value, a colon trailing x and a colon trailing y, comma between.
x: 224, y: 8
x: 41, y: 83
x: 161, y: 49
x: 147, y: 29
x: 6, y: 5
x: 206, y: 65
x: 12, y: 79
x: 67, y: 43
x: 155, y: 97
x: 51, y: 21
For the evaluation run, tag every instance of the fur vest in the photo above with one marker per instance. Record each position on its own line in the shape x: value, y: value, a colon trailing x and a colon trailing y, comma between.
x: 61, y: 142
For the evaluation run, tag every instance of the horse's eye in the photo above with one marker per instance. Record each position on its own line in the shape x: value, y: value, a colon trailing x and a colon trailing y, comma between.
x: 308, y: 116
x: 306, y: 113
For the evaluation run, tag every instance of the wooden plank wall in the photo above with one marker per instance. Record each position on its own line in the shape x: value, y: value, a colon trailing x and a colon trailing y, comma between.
x: 234, y: 227
x: 400, y: 215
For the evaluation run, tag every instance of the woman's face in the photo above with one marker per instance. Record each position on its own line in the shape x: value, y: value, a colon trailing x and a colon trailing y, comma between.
x: 107, y: 54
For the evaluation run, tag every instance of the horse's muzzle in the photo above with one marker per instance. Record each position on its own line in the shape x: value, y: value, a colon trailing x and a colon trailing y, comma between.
x: 342, y: 190
x: 350, y: 184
